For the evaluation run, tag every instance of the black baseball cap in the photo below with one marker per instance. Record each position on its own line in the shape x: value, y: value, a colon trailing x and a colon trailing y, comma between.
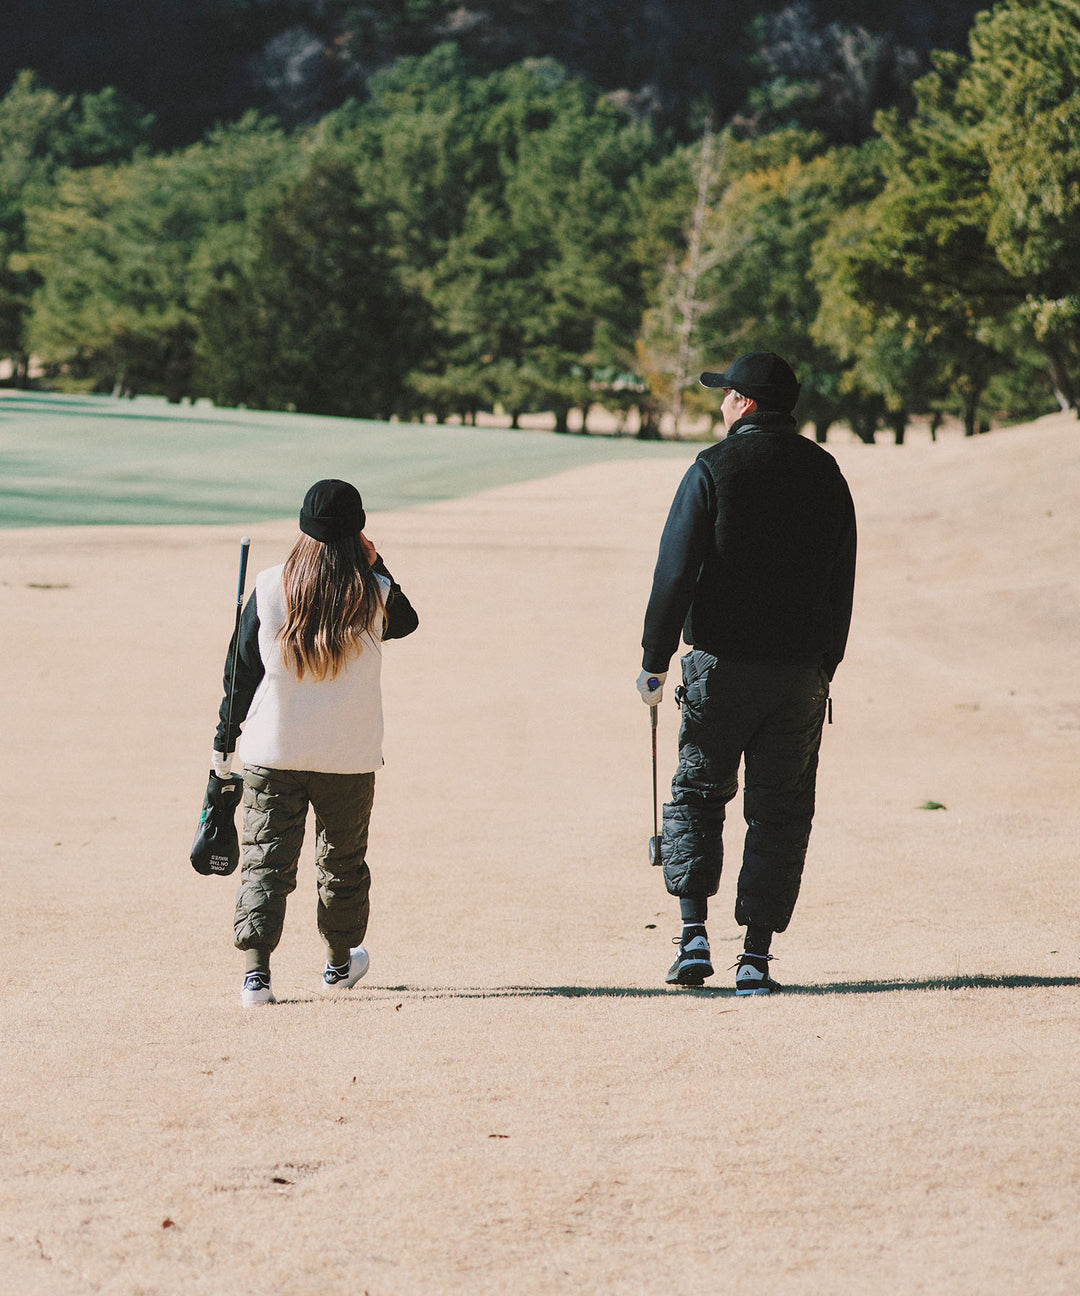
x: 763, y: 376
x: 332, y: 510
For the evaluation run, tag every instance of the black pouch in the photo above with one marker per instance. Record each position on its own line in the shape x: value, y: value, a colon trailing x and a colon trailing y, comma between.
x: 216, y: 848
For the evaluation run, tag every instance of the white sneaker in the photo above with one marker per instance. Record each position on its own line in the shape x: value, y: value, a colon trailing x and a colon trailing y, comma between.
x: 256, y: 990
x: 340, y: 979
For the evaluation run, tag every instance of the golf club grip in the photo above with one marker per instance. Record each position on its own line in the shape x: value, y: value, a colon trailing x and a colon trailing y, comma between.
x: 245, y: 544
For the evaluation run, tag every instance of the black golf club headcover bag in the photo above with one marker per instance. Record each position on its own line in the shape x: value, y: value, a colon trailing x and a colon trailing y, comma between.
x: 216, y: 848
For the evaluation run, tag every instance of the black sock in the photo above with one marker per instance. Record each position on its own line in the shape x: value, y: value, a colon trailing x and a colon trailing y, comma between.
x: 758, y: 940
x: 693, y: 909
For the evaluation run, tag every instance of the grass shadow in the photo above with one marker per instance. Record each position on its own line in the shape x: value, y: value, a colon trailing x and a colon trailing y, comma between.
x: 1007, y: 982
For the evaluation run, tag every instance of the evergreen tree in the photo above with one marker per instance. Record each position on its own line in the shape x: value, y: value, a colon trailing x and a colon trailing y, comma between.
x: 319, y: 323
x: 911, y: 291
x: 40, y: 133
x: 772, y: 199
x: 669, y: 345
x: 508, y: 203
x: 1023, y: 88
x: 125, y: 255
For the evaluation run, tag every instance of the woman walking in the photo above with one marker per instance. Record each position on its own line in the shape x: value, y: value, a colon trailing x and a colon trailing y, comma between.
x: 307, y: 707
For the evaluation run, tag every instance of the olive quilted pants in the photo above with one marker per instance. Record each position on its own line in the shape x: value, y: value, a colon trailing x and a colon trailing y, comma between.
x: 275, y: 811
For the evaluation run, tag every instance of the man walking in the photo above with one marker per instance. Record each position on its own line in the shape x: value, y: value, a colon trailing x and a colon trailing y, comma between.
x: 756, y: 568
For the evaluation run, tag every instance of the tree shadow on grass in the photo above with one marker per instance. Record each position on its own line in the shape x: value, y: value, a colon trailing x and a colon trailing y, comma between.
x: 10, y: 409
x: 1016, y: 982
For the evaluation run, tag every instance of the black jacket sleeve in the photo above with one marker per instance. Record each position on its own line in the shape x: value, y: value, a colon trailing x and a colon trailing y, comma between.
x: 841, y: 596
x: 244, y: 681
x: 687, y: 534
x: 401, y: 620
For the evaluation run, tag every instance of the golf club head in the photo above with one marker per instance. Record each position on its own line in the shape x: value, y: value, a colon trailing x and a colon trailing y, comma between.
x: 654, y: 851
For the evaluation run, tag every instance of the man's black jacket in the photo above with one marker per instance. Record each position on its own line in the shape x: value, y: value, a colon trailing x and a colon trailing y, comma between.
x: 757, y: 559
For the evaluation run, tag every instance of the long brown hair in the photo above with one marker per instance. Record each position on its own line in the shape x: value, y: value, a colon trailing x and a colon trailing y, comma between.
x: 332, y: 600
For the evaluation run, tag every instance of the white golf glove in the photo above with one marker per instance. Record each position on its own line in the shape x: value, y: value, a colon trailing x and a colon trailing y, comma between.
x: 221, y: 764
x: 650, y: 684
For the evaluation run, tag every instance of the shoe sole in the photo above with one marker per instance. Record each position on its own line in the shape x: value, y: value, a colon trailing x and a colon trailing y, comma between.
x: 690, y: 974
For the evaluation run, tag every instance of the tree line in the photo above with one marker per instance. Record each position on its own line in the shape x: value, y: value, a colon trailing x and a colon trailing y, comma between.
x: 520, y: 239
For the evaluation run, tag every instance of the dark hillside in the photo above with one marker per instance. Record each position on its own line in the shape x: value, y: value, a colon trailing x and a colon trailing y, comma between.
x: 194, y: 62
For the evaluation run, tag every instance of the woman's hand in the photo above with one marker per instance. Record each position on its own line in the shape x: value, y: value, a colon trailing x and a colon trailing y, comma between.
x: 369, y: 549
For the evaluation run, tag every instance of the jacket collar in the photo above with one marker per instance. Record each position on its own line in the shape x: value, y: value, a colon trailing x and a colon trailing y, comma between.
x: 764, y: 421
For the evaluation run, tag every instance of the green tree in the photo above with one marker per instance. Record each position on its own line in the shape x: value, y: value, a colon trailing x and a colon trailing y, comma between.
x: 40, y: 133
x: 772, y: 200
x: 126, y: 255
x: 668, y: 346
x: 320, y: 322
x: 1022, y: 87
x: 420, y: 162
x: 571, y: 219
x: 519, y: 184
x: 661, y: 197
x: 912, y: 293
x: 971, y: 253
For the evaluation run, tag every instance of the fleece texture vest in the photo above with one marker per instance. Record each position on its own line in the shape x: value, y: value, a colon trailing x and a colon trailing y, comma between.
x: 758, y: 553
x: 774, y: 585
x: 330, y: 726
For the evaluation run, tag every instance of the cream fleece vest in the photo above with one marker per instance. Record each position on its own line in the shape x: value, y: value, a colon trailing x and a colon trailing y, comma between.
x: 332, y: 726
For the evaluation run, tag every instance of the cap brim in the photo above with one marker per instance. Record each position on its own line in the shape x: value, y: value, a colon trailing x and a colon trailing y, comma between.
x: 714, y: 380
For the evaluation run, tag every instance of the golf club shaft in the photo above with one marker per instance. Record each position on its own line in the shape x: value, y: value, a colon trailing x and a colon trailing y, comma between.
x: 652, y: 722
x: 244, y: 544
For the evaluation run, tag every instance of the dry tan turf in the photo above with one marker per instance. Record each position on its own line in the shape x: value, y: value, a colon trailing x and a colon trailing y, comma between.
x: 513, y: 1102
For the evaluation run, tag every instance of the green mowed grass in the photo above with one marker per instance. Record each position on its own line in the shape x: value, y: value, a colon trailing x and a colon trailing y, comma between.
x: 96, y: 460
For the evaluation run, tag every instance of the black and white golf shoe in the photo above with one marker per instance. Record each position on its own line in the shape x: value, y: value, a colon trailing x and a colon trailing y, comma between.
x: 752, y: 975
x: 693, y: 963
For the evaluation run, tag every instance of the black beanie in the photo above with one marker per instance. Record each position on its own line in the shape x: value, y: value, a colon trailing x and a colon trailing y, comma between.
x: 332, y: 510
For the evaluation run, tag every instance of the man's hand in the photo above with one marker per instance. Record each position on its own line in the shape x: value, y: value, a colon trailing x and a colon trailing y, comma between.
x: 221, y: 764
x: 650, y: 684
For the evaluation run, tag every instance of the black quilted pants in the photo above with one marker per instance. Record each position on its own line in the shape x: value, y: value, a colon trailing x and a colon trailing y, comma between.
x: 768, y: 715
x: 275, y: 810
